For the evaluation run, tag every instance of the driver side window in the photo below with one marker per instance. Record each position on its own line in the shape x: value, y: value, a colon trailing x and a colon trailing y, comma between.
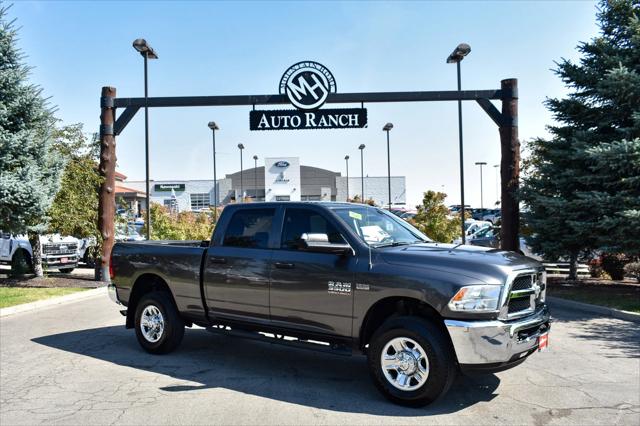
x: 306, y: 221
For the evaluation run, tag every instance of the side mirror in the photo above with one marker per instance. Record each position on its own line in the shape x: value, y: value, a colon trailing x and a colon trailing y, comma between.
x: 319, y: 243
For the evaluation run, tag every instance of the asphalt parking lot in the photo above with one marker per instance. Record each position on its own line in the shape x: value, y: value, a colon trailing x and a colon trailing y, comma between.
x: 76, y: 364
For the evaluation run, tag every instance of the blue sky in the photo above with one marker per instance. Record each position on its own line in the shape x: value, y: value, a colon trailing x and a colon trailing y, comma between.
x: 237, y: 48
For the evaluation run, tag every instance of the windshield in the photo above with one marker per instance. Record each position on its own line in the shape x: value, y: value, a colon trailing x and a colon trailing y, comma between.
x: 379, y: 228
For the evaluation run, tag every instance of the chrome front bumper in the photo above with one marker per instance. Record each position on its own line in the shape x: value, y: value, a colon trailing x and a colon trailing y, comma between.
x: 497, y: 342
x: 113, y: 293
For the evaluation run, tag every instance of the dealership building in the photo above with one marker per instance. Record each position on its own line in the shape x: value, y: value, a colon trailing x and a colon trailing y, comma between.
x: 279, y: 179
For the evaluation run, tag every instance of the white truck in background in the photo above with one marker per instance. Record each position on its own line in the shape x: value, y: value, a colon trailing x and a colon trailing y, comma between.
x: 58, y: 252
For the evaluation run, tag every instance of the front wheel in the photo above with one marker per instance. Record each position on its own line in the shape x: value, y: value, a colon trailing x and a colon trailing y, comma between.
x: 411, y: 361
x: 159, y: 328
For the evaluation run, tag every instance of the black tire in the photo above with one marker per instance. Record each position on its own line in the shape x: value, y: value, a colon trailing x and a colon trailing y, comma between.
x: 21, y: 263
x: 173, y: 331
x: 441, y: 368
x: 66, y: 270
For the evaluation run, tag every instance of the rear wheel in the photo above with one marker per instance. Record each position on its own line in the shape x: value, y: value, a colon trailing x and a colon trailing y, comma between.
x: 158, y: 325
x: 411, y: 361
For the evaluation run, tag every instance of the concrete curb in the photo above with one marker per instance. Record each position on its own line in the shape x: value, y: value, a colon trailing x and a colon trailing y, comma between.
x: 68, y: 298
x: 586, y: 307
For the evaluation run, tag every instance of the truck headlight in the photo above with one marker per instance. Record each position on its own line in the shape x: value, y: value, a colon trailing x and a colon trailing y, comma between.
x: 479, y: 298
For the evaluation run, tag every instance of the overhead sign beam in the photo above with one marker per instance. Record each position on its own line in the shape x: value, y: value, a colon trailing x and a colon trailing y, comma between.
x: 335, y: 98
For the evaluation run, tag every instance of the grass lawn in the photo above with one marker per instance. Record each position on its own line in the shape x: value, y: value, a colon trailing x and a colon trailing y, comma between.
x: 626, y: 299
x: 11, y: 296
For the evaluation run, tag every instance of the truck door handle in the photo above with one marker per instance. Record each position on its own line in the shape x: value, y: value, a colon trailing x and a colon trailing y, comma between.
x: 217, y: 260
x: 284, y: 265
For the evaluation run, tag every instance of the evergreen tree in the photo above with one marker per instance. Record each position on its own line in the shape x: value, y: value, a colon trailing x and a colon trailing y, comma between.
x: 582, y: 185
x: 29, y: 168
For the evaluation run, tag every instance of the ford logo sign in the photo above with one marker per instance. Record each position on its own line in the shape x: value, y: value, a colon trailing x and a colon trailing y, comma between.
x: 282, y: 164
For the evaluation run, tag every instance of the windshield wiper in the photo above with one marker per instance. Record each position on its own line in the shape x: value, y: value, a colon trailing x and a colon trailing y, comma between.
x: 394, y: 244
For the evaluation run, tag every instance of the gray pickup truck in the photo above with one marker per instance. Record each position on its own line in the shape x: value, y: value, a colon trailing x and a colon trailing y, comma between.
x: 344, y: 278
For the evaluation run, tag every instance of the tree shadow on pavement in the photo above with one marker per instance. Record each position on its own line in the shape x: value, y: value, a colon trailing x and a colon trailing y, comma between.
x: 615, y: 337
x: 267, y: 370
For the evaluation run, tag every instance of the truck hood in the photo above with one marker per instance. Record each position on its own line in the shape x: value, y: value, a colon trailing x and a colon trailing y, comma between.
x: 491, y: 266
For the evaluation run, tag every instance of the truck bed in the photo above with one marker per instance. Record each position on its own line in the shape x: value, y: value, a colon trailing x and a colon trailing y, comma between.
x: 178, y: 263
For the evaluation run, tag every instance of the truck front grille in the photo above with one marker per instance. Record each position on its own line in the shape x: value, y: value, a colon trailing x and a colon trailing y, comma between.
x: 59, y: 249
x: 526, y: 293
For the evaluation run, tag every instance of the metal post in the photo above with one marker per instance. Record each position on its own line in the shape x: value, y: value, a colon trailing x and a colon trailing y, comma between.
x: 107, y: 170
x: 146, y: 144
x: 510, y: 167
x: 255, y: 176
x: 481, y: 163
x: 215, y: 178
x: 362, y: 172
x: 241, y: 178
x: 389, y: 170
x: 481, y: 198
x: 496, y: 166
x: 346, y: 159
x: 461, y: 156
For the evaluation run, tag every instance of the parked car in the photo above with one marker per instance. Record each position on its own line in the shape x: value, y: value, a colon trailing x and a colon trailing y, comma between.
x: 57, y: 252
x: 341, y: 278
x: 84, y: 252
x: 408, y: 215
x: 455, y: 208
x: 493, y: 216
x: 490, y: 237
x: 127, y: 232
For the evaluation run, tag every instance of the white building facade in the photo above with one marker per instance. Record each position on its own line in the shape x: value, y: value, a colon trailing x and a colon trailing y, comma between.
x: 280, y: 179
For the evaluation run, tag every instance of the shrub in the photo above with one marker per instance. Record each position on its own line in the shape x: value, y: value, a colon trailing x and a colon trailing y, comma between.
x: 180, y: 226
x: 633, y: 269
x: 595, y: 268
x: 433, y: 218
x: 613, y: 264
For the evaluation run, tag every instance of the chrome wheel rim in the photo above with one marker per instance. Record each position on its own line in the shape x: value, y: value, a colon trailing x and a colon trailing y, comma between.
x: 152, y: 323
x: 404, y: 364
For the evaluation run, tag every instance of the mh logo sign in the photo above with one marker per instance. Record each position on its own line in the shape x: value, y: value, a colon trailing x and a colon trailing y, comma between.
x: 307, y: 85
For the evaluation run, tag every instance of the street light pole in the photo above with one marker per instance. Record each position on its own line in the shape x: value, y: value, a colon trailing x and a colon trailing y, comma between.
x: 456, y: 57
x: 387, y: 128
x: 481, y: 163
x: 361, y: 148
x: 147, y: 53
x: 213, y: 126
x: 255, y: 177
x: 241, y: 147
x: 346, y: 159
x: 497, y: 168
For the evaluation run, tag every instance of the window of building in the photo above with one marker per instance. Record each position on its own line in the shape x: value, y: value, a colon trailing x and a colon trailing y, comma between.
x: 306, y: 221
x: 200, y: 201
x: 310, y: 198
x: 283, y: 198
x: 249, y: 228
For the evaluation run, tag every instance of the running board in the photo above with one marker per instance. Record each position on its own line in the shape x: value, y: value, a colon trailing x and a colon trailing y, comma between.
x: 279, y: 339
